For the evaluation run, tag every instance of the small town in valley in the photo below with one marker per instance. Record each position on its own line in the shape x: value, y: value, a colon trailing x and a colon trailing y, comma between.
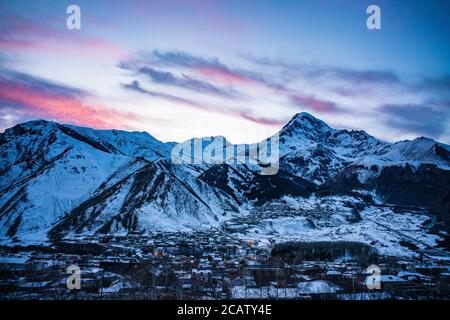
x: 216, y: 265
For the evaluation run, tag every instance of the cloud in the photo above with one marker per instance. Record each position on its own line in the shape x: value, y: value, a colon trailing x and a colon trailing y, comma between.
x: 19, y: 34
x: 350, y: 82
x: 312, y: 103
x: 323, y: 90
x: 184, y: 59
x: 186, y: 82
x: 427, y: 120
x: 360, y: 76
x: 136, y: 86
x: 241, y: 113
x: 218, y: 72
x: 261, y: 120
x: 20, y: 79
x: 319, y: 72
x: 441, y: 83
x: 212, y: 68
x: 26, y: 97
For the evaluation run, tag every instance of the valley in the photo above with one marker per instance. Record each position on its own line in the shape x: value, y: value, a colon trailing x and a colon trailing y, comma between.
x: 139, y: 226
x: 237, y: 260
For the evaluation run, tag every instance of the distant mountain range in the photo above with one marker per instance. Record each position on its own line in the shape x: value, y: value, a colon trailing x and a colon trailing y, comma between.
x: 61, y: 180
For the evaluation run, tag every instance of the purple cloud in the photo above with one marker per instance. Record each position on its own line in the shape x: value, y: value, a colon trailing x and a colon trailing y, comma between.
x: 315, y: 72
x: 242, y: 113
x: 211, y: 68
x: 417, y: 118
x: 19, y: 34
x: 136, y: 86
x: 186, y: 82
x: 312, y: 103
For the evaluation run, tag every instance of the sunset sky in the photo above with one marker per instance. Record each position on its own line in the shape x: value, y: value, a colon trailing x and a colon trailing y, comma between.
x: 241, y: 69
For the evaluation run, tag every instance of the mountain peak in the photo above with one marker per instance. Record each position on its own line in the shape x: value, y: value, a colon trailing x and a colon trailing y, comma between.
x: 36, y: 122
x: 422, y: 138
x: 303, y: 115
x: 30, y: 126
x: 306, y: 125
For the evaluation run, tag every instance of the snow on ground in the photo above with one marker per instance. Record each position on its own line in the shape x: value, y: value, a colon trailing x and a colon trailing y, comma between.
x: 379, y: 227
x: 414, y: 153
x: 271, y: 292
x: 119, y: 285
x: 318, y: 286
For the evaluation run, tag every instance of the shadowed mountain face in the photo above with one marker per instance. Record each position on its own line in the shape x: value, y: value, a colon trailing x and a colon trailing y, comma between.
x: 142, y: 200
x: 245, y: 185
x: 65, y: 180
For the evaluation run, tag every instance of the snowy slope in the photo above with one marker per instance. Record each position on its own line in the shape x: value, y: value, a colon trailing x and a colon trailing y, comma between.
x: 46, y: 174
x: 133, y: 144
x: 311, y: 149
x: 47, y: 169
x: 75, y: 180
x: 415, y: 152
x: 25, y: 147
x: 415, y: 173
x: 333, y: 219
x: 158, y: 196
x: 308, y: 148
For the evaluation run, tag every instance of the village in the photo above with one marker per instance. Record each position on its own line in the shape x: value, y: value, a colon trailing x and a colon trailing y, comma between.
x: 212, y: 265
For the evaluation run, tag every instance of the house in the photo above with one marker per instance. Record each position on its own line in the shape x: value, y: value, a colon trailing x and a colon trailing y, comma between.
x: 333, y: 273
x: 120, y: 286
x: 386, y: 282
x: 243, y: 280
x: 413, y: 276
x: 202, y: 274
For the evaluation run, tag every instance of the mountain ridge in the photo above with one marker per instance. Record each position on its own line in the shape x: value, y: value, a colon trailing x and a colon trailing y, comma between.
x: 53, y: 175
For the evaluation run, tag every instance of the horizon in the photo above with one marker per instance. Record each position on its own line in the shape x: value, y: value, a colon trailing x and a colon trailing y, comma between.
x: 243, y: 77
x: 220, y: 136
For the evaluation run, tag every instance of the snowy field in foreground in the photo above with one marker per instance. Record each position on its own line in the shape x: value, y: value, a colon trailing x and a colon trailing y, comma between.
x: 380, y: 227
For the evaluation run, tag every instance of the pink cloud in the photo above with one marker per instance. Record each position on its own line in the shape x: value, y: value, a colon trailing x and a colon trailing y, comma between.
x: 223, y: 75
x: 22, y: 34
x: 310, y: 102
x: 261, y: 120
x: 64, y: 108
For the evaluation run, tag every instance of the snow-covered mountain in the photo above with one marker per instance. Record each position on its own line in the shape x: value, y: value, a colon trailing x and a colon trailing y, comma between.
x: 415, y: 152
x: 147, y: 196
x: 65, y: 180
x: 46, y: 170
x: 50, y: 169
x: 311, y: 149
x: 133, y: 144
x: 244, y: 184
